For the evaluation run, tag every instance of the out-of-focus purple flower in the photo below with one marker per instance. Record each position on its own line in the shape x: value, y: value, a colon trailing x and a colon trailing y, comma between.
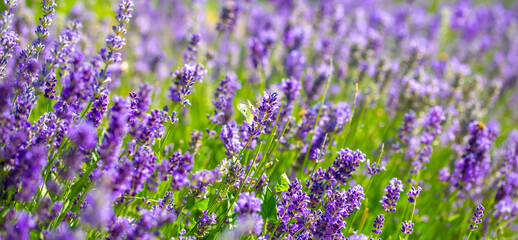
x: 414, y: 194
x: 98, y: 210
x: 31, y: 162
x: 294, y: 64
x: 223, y: 99
x: 406, y: 227
x: 248, y: 206
x: 314, y: 86
x: 230, y: 137
x: 258, y: 53
x: 393, y: 191
x: 291, y: 89
x: 473, y: 166
x: 228, y: 16
x: 117, y: 129
x: 247, y: 203
x: 409, y: 123
x: 477, y: 217
x: 201, y: 180
x: 192, y: 49
x: 22, y: 228
x: 84, y: 135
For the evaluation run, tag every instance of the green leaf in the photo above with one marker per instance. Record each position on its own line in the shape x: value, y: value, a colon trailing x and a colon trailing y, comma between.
x: 269, y: 206
x: 283, y: 184
x: 203, y: 204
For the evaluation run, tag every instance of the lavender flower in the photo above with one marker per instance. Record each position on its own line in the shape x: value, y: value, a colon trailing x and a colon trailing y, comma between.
x: 201, y: 180
x: 473, y: 166
x: 230, y: 137
x: 393, y: 191
x: 414, y: 194
x: 406, y: 227
x: 247, y: 203
x: 117, y: 129
x: 248, y: 206
x: 84, y: 135
x: 291, y: 89
x: 8, y: 38
x: 378, y: 224
x: 346, y: 163
x: 292, y: 209
x: 192, y: 49
x: 258, y: 53
x: 340, y: 204
x: 204, y: 223
x: 185, y: 79
x: 223, y: 99
x: 477, y: 217
x: 263, y: 115
x: 177, y: 168
x: 99, y: 107
x: 409, y: 123
x: 228, y: 16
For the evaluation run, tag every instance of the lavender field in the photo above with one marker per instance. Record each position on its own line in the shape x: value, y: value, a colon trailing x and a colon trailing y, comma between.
x: 258, y: 119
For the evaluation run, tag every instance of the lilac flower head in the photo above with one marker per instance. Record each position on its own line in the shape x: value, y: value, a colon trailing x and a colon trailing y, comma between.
x: 393, y: 191
x: 406, y: 227
x: 477, y: 217
x: 414, y: 194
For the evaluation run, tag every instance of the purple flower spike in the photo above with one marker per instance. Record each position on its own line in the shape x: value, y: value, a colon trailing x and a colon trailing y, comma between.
x: 378, y: 224
x: 477, y: 217
x: 406, y: 227
x: 393, y: 191
x: 414, y: 194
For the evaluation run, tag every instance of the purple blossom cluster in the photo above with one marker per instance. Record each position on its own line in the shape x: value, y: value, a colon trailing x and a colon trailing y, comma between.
x: 140, y: 138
